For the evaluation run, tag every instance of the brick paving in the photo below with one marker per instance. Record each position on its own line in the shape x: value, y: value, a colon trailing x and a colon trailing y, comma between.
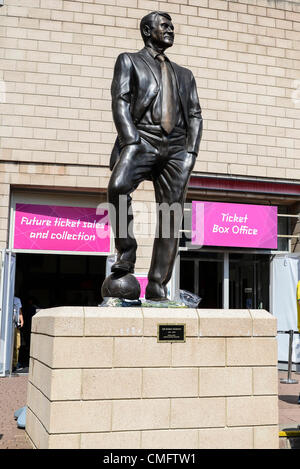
x: 289, y: 409
x: 13, y: 391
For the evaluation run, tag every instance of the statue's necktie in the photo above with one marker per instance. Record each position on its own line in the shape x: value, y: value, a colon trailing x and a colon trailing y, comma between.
x: 168, y: 115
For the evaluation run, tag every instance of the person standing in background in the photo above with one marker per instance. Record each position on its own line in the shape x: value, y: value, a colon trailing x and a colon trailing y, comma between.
x: 18, y: 322
x: 29, y: 309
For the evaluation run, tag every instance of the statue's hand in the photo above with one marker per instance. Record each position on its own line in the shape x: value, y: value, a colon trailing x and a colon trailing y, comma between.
x: 129, y: 145
x: 192, y: 157
x: 141, y: 146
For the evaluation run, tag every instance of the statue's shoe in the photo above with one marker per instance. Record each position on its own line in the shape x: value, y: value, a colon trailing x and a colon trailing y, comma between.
x: 156, y: 292
x: 123, y: 266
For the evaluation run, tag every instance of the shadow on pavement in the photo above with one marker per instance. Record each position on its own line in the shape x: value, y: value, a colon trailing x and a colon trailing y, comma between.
x: 290, y: 399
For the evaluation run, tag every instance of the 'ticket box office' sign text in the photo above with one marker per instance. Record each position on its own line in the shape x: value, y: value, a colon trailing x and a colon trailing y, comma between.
x: 236, y: 225
x: 59, y: 228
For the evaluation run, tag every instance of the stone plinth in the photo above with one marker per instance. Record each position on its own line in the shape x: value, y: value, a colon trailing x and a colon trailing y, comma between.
x: 99, y: 379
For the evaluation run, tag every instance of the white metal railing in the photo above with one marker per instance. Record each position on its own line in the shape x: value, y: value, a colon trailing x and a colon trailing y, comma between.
x: 2, y: 324
x: 6, y: 312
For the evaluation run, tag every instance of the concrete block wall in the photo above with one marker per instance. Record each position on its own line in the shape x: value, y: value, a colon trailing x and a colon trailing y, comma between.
x: 56, y: 66
x: 99, y: 379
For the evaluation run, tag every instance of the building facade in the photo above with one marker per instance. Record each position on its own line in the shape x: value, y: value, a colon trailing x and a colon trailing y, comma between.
x: 57, y: 59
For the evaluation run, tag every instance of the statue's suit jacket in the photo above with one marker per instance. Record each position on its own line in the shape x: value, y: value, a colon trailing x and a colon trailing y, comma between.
x: 135, y: 84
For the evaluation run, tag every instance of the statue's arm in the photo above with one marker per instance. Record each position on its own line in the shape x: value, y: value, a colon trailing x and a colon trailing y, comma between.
x: 121, y: 90
x: 195, y: 123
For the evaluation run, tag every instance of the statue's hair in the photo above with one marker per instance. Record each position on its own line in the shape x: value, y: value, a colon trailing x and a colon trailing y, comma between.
x: 150, y: 18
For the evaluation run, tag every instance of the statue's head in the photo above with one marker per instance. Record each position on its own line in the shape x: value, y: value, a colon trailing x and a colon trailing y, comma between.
x: 157, y: 30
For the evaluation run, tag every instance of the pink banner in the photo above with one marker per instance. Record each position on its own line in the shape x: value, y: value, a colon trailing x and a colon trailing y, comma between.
x: 58, y: 228
x: 143, y: 281
x: 236, y: 225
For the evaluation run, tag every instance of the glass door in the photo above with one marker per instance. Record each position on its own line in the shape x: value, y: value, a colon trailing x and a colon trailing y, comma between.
x: 249, y: 281
x: 203, y: 275
x: 246, y: 280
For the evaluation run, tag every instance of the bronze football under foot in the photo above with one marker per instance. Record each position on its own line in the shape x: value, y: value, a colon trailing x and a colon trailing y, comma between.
x: 121, y: 284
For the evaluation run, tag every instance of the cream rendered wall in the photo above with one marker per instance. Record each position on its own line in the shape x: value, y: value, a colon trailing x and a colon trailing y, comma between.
x: 56, y: 66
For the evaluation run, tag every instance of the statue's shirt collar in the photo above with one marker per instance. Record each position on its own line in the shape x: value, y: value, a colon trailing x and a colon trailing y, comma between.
x: 154, y: 52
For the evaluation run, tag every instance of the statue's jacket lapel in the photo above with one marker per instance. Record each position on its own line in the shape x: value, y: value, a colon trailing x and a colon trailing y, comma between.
x: 147, y: 84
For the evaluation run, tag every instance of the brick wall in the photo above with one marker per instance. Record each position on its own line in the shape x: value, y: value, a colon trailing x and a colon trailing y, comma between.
x: 57, y: 60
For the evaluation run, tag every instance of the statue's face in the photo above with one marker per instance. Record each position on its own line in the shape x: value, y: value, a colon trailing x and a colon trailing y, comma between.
x: 162, y: 33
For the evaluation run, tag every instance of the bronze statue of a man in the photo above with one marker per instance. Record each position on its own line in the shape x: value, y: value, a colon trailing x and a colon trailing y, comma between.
x: 158, y: 119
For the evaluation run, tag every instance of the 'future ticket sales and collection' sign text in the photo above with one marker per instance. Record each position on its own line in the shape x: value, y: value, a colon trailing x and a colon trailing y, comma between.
x: 60, y: 228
